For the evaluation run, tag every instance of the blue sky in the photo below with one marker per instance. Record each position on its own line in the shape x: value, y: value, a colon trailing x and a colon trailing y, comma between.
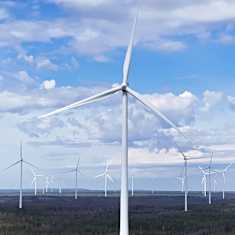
x: 54, y: 52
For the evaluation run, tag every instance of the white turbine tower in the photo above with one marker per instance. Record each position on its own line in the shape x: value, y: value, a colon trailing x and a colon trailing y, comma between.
x: 47, y: 183
x: 185, y: 181
x: 34, y: 181
x: 223, y: 172
x: 132, y: 185
x: 21, y: 162
x: 181, y: 181
x: 107, y: 177
x: 126, y: 91
x: 76, y: 179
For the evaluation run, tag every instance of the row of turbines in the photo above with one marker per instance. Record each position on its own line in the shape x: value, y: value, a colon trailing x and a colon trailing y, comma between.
x: 207, y: 174
x: 206, y: 182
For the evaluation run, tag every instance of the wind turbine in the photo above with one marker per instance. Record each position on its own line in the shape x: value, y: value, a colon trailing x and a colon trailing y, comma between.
x: 204, y: 184
x: 34, y: 181
x: 223, y: 175
x: 20, y: 162
x: 107, y: 177
x: 185, y: 177
x: 207, y: 172
x: 76, y: 178
x: 126, y: 91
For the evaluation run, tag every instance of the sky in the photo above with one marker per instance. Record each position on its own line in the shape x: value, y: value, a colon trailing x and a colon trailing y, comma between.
x: 55, y: 52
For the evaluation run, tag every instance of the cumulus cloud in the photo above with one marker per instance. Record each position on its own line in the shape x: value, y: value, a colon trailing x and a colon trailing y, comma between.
x: 48, y: 84
x: 211, y: 99
x: 103, y: 26
x: 45, y: 63
x: 3, y: 14
x: 24, y: 76
x: 231, y: 100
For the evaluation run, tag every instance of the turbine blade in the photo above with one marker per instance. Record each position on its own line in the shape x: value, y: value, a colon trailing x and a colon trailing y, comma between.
x: 33, y: 172
x: 202, y: 170
x: 98, y: 176
x: 82, y: 173
x: 34, y: 179
x: 227, y: 167
x: 30, y: 164
x: 110, y: 178
x: 80, y: 103
x: 156, y: 112
x: 127, y: 61
x: 203, y: 179
x: 12, y: 165
x: 78, y: 163
x: 195, y: 158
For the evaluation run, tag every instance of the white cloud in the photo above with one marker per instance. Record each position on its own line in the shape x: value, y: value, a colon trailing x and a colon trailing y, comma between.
x: 167, y: 45
x: 48, y: 84
x: 211, y: 99
x: 83, y: 3
x: 226, y: 39
x: 45, y: 63
x: 24, y: 76
x: 96, y: 130
x: 3, y: 14
x: 99, y: 30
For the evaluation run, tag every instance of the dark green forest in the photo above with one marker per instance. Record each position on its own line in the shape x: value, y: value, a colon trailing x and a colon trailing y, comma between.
x: 149, y: 215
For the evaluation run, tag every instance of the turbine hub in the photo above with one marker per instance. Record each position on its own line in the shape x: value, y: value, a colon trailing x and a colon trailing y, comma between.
x: 124, y: 86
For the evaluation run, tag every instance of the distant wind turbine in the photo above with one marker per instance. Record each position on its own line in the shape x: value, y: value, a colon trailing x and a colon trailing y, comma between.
x: 20, y: 162
x: 34, y: 181
x: 207, y: 172
x: 48, y: 181
x: 223, y: 172
x: 204, y: 184
x: 107, y: 177
x: 126, y: 91
x: 185, y: 177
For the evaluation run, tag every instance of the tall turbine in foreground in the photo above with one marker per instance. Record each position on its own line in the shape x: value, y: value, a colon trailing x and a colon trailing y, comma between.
x: 107, y: 177
x: 21, y: 162
x: 125, y: 90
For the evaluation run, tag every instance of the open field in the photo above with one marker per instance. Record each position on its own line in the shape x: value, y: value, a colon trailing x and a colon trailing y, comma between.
x: 89, y: 215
